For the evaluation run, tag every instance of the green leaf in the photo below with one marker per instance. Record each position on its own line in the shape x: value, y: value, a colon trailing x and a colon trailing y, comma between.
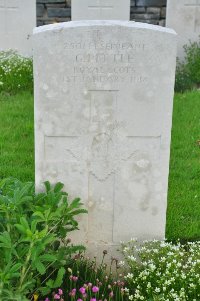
x: 47, y: 186
x: 48, y: 257
x: 39, y: 214
x: 44, y: 290
x: 5, y: 240
x: 20, y: 228
x: 59, y: 278
x: 58, y: 187
x: 33, y: 225
x: 15, y: 268
x: 40, y: 267
x: 24, y: 223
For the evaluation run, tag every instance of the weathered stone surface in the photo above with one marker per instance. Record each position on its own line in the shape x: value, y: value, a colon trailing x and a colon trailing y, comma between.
x: 59, y: 12
x: 17, y: 20
x: 163, y: 12
x: 154, y: 10
x: 138, y: 10
x: 103, y: 110
x: 100, y: 10
x: 51, y: 1
x: 145, y: 16
x: 40, y: 23
x: 151, y: 2
x: 40, y: 10
x: 162, y: 23
x: 184, y: 17
x: 132, y: 2
x: 147, y: 21
x: 47, y: 22
x: 61, y: 5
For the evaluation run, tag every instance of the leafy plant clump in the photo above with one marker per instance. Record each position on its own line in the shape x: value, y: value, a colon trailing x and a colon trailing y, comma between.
x: 188, y: 71
x: 162, y: 271
x: 16, y: 73
x: 34, y: 247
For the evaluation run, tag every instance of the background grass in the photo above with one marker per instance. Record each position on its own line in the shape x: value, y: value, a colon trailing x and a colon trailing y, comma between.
x: 17, y: 136
x: 183, y: 214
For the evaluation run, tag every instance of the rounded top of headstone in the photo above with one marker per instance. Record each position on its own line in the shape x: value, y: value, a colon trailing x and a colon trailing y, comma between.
x: 88, y: 23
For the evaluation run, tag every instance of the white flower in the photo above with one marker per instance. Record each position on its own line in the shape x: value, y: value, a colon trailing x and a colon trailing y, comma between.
x: 192, y: 285
x: 157, y: 290
x: 129, y: 276
x: 152, y: 267
x: 132, y: 258
x: 121, y: 263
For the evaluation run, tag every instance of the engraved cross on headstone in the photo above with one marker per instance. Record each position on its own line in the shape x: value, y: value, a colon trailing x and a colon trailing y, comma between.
x: 104, y: 150
x: 196, y: 5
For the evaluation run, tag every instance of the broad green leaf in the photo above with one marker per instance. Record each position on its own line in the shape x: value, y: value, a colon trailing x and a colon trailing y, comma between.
x: 47, y: 186
x: 15, y: 267
x: 20, y: 228
x: 59, y: 278
x: 58, y: 187
x: 48, y: 257
x: 24, y: 223
x: 5, y: 240
x: 40, y: 267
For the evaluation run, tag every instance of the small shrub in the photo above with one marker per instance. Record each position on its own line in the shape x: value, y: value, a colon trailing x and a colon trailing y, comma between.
x: 183, y: 81
x: 188, y: 71
x: 33, y: 238
x: 162, y: 271
x: 16, y: 73
x: 192, y: 55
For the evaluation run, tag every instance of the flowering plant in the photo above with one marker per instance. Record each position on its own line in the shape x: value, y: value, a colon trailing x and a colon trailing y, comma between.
x: 88, y: 281
x: 162, y: 271
x: 16, y: 72
x: 33, y: 238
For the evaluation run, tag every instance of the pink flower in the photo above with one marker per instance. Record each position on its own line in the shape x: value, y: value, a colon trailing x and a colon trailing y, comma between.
x: 56, y: 297
x: 111, y: 294
x: 73, y: 292
x: 74, y: 278
x: 95, y: 289
x: 79, y: 299
x: 82, y: 290
x: 47, y: 299
x: 89, y: 284
x: 60, y: 292
x: 93, y: 299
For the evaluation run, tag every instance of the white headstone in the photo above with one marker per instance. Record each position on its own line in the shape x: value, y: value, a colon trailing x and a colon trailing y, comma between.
x: 17, y: 20
x: 100, y: 10
x: 103, y: 110
x: 184, y: 17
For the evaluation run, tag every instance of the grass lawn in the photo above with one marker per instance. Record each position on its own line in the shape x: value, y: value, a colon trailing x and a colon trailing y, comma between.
x: 183, y: 215
x: 17, y: 137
